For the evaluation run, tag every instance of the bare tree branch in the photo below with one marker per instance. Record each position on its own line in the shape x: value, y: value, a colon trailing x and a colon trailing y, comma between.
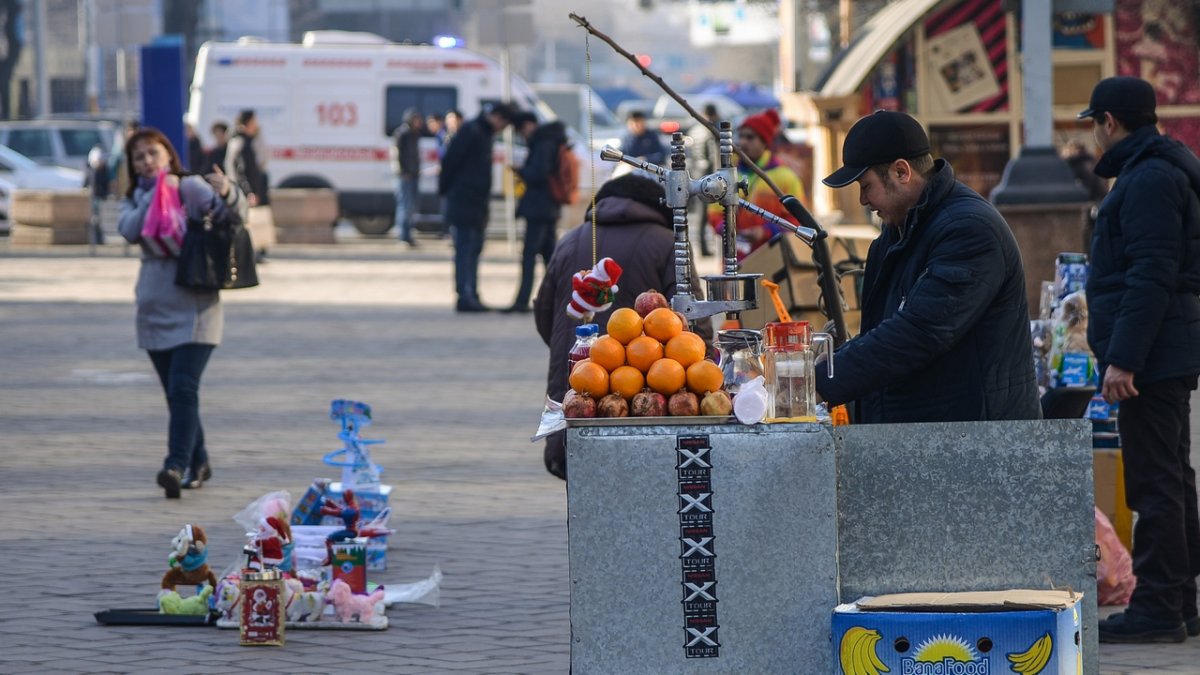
x: 583, y: 22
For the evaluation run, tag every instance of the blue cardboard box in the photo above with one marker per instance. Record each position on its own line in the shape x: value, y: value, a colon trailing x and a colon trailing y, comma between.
x: 978, y: 633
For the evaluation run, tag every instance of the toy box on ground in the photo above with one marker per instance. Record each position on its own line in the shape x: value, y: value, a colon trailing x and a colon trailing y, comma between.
x: 978, y: 633
x: 371, y: 501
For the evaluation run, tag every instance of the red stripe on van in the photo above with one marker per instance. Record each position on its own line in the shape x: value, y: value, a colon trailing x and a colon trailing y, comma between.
x: 330, y: 153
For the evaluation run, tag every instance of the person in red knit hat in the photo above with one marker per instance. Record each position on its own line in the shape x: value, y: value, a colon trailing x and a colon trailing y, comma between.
x: 755, y: 136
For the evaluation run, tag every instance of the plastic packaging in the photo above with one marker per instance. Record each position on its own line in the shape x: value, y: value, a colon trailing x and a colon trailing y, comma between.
x: 552, y: 420
x: 1114, y: 570
x: 585, y: 335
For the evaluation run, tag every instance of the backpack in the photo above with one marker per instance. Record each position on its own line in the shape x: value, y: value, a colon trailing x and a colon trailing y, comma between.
x: 564, y: 179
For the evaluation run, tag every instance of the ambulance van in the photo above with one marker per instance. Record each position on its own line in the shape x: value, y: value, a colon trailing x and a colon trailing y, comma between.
x: 329, y: 105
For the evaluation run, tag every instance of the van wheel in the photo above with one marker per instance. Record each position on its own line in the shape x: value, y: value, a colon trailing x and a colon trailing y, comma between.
x: 371, y: 225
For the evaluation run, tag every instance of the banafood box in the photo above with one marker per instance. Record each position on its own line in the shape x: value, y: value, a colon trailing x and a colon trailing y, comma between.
x: 979, y: 633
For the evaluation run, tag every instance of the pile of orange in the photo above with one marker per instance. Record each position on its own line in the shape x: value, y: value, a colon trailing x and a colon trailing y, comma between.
x: 656, y: 352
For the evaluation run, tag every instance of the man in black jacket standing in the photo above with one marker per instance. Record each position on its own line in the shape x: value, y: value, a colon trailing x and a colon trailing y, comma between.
x: 1144, y: 327
x: 945, y: 324
x: 537, y: 205
x: 408, y: 172
x: 465, y: 183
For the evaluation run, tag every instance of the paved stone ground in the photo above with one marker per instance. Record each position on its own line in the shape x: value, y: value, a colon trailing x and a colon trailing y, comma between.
x: 82, y: 429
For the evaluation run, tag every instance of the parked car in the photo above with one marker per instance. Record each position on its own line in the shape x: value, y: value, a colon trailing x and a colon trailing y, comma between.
x: 668, y: 116
x: 19, y: 172
x: 57, y: 142
x: 569, y: 103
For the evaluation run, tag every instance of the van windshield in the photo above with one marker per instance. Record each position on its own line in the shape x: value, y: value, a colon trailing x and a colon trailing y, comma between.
x: 427, y: 100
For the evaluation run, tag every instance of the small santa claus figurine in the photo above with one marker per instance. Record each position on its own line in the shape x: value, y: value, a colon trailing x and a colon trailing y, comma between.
x: 592, y: 291
x: 275, y: 542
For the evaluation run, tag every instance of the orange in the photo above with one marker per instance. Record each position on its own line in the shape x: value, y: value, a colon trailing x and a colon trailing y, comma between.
x: 704, y: 376
x: 642, y: 352
x: 662, y: 324
x: 624, y: 324
x: 589, y: 378
x: 608, y: 352
x: 666, y: 376
x: 686, y: 348
x: 627, y: 381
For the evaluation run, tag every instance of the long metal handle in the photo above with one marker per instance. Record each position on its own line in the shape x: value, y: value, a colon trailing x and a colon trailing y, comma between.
x: 610, y: 154
x: 806, y: 234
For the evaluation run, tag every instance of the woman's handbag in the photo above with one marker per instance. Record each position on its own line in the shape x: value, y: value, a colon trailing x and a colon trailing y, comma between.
x: 217, y: 254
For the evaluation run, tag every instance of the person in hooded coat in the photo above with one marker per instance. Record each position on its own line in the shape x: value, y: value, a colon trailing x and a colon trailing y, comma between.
x: 634, y: 229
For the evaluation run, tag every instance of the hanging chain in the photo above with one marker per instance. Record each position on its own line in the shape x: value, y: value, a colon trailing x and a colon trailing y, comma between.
x: 587, y: 49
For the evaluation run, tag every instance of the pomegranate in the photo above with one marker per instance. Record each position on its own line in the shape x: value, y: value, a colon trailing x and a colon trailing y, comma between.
x: 716, y: 403
x: 649, y: 301
x: 578, y: 405
x: 612, y: 405
x: 683, y: 403
x: 648, y: 403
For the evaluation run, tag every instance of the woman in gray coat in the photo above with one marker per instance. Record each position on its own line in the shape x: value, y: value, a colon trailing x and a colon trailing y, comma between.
x: 178, y: 327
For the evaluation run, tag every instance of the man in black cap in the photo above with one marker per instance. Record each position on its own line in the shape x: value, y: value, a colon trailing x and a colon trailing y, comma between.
x: 945, y: 324
x: 1144, y: 327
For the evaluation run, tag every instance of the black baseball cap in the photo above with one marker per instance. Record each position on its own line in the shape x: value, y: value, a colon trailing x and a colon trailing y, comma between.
x: 1121, y: 94
x: 880, y: 138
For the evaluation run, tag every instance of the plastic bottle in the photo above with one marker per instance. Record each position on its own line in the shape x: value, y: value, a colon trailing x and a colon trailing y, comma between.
x: 585, y: 335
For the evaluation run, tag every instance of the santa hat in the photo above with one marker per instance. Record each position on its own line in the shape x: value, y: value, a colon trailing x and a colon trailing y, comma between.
x: 765, y: 124
x: 607, y: 270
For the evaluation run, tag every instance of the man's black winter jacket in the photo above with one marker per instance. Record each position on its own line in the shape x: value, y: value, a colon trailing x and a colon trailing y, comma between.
x: 945, y: 323
x: 1143, y: 311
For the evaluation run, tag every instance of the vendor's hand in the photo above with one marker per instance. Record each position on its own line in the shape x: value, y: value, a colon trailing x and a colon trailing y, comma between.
x: 1118, y: 385
x: 219, y: 181
x: 172, y: 180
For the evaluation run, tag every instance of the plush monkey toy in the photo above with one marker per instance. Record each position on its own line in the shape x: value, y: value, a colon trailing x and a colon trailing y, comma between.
x: 189, y: 560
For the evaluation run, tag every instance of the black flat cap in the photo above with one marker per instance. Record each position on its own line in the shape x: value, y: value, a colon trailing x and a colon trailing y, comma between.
x: 880, y: 138
x: 1120, y: 94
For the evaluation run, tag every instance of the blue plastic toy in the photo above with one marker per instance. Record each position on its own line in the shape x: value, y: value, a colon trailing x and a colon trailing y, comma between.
x: 357, y: 469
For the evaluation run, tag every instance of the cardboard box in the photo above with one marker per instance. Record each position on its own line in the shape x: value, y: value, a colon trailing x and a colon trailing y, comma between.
x: 1108, y: 474
x: 979, y: 633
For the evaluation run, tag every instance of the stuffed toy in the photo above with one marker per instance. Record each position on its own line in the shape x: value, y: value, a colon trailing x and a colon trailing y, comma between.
x: 170, y: 602
x: 301, y: 605
x: 189, y: 560
x: 349, y: 606
x: 593, y: 291
x: 226, y: 599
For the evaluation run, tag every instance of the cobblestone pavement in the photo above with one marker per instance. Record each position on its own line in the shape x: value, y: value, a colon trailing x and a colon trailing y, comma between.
x: 82, y: 429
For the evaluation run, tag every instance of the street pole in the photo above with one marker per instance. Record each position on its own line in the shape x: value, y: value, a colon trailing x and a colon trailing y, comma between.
x: 92, y: 49
x: 1038, y: 175
x: 507, y: 177
x: 42, y: 106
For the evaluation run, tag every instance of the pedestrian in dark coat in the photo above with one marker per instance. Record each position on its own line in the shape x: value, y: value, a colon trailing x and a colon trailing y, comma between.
x: 945, y: 323
x: 408, y: 172
x: 537, y: 206
x: 1144, y: 328
x: 634, y: 229
x: 465, y: 183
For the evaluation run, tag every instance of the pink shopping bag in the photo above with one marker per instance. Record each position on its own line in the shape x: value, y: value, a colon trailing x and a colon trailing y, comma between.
x: 162, y: 230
